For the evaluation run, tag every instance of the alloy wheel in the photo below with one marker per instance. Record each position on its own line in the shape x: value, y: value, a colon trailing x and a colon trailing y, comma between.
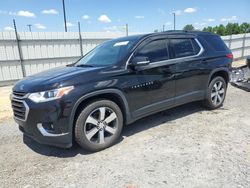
x: 101, y: 125
x: 218, y: 93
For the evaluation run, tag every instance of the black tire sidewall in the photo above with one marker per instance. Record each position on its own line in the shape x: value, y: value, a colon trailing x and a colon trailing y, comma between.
x: 80, y: 136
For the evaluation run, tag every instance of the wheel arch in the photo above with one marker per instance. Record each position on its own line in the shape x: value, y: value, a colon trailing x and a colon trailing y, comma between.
x: 114, y: 95
x: 223, y: 72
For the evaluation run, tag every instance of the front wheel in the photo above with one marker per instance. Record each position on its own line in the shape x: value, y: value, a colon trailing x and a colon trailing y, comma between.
x: 99, y: 125
x: 216, y: 93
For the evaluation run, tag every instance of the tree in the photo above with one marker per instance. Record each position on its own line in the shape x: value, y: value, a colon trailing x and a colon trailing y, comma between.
x: 232, y: 28
x: 188, y: 27
x: 214, y: 30
x: 221, y: 30
x: 229, y: 29
x: 245, y: 28
x: 208, y: 29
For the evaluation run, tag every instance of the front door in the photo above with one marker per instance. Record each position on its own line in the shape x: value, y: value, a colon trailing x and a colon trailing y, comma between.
x: 154, y: 89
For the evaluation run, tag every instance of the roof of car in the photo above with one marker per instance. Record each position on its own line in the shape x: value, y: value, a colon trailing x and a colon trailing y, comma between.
x: 170, y: 32
x: 185, y: 31
x: 181, y: 32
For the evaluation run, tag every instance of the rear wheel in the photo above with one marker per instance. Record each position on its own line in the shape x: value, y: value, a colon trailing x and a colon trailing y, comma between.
x: 216, y: 93
x: 99, y: 125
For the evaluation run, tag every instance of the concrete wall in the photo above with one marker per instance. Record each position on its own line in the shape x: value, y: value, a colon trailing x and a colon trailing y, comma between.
x: 239, y: 44
x: 40, y: 51
x: 44, y: 50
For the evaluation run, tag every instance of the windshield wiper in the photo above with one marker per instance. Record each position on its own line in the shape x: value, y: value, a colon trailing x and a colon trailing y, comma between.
x: 70, y: 65
x: 84, y: 65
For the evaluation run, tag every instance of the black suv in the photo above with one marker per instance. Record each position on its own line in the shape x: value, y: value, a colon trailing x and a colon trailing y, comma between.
x: 119, y: 82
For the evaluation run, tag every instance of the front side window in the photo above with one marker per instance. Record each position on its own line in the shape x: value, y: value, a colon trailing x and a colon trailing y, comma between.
x: 108, y: 53
x: 155, y: 51
x: 184, y: 47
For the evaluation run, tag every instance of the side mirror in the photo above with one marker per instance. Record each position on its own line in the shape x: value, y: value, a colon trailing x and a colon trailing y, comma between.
x: 140, y: 61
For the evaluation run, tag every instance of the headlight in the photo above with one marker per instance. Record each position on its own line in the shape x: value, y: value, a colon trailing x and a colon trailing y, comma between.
x: 45, y: 96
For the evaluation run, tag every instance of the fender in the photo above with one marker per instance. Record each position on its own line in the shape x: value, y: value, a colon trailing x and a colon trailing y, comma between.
x: 95, y: 93
x: 225, y: 69
x: 213, y: 72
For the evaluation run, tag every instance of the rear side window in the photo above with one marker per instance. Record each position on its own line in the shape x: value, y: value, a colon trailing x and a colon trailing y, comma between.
x: 215, y: 42
x: 184, y: 47
x: 155, y: 51
x: 196, y: 46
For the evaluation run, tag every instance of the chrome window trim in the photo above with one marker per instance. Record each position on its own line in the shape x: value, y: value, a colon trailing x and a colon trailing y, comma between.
x: 26, y: 110
x: 170, y: 61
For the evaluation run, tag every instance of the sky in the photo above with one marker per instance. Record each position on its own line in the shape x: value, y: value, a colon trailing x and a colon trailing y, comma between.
x: 113, y: 15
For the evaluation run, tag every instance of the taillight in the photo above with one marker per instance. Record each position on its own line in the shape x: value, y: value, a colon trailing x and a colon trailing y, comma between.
x: 230, y: 56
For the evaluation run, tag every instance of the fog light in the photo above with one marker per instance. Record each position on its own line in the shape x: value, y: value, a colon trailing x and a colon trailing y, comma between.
x: 47, y: 129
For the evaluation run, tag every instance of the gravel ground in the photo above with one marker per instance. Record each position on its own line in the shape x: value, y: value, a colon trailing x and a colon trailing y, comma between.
x: 239, y: 63
x: 5, y: 107
x: 184, y: 147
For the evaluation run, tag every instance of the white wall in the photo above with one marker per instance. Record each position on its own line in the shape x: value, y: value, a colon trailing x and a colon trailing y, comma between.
x: 239, y: 44
x: 44, y: 50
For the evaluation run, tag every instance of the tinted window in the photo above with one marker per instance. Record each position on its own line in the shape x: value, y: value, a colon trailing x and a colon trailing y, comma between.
x: 196, y: 47
x: 108, y: 53
x: 182, y: 47
x: 216, y: 42
x: 155, y: 51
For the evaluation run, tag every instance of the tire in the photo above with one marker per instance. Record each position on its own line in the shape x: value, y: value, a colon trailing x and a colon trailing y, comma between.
x: 216, y: 93
x: 99, y: 125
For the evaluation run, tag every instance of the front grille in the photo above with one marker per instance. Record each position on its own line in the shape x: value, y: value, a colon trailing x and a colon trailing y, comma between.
x: 17, y: 94
x: 20, y: 108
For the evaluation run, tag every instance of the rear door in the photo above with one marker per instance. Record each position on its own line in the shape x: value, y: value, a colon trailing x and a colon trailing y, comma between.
x: 189, y: 70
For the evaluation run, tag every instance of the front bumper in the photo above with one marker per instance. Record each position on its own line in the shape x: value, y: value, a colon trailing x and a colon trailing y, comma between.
x: 60, y: 141
x: 47, y: 123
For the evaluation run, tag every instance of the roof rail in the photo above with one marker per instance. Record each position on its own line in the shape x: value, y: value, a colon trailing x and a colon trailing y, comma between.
x: 176, y: 31
x: 185, y: 31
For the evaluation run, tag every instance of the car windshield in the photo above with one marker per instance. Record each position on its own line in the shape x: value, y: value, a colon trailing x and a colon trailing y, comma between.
x: 108, y: 53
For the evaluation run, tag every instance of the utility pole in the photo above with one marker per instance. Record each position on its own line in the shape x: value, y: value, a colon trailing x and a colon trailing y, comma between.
x: 64, y: 14
x: 29, y: 25
x: 174, y: 19
x: 163, y: 28
x: 126, y: 29
x: 19, y: 49
x: 80, y: 38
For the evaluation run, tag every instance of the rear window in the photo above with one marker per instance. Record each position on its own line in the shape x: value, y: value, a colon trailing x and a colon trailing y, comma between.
x: 184, y: 47
x: 215, y: 42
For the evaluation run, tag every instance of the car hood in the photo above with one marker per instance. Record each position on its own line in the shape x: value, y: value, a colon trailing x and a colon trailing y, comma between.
x: 54, y: 78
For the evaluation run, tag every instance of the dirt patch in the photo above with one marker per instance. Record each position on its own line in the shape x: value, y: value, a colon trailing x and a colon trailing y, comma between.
x: 5, y: 104
x: 239, y: 63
